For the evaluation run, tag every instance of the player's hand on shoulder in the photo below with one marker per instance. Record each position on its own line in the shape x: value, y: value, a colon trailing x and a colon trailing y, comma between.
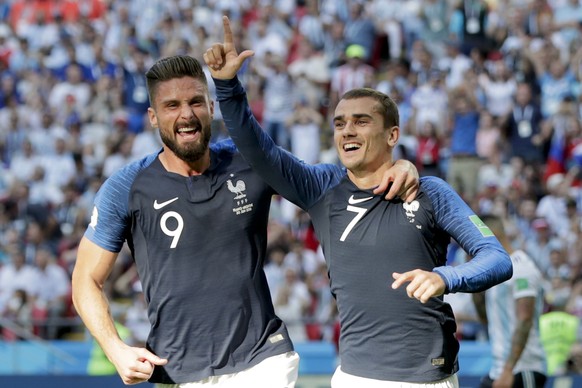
x: 423, y: 285
x: 405, y: 181
x: 222, y: 59
x: 135, y: 365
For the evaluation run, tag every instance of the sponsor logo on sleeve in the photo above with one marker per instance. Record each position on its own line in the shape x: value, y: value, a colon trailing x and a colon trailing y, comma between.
x: 484, y: 229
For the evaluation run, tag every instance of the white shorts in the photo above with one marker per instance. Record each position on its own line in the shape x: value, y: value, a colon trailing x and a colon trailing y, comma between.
x: 341, y: 379
x: 274, y: 372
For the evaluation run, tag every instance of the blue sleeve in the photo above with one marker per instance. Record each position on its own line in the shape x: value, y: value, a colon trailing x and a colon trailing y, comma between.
x: 297, y: 181
x: 111, y: 220
x: 490, y: 263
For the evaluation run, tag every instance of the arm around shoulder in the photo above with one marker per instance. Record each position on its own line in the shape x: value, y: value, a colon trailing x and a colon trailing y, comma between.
x: 490, y: 263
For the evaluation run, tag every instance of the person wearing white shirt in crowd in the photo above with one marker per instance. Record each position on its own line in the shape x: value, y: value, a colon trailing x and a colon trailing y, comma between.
x: 495, y: 172
x: 275, y: 269
x: 121, y: 154
x: 291, y: 303
x: 15, y: 275
x: 430, y: 102
x: 552, y: 206
x: 52, y: 286
x: 73, y: 86
x: 24, y: 163
x: 310, y: 72
x: 59, y: 167
x: 304, y: 126
x: 500, y: 88
x: 145, y: 142
x: 43, y: 136
x: 303, y: 260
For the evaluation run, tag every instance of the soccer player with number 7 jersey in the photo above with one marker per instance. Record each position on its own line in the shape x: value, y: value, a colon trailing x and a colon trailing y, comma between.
x: 386, y: 259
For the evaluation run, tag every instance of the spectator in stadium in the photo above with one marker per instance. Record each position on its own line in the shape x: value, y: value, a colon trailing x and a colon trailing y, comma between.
x: 376, y: 345
x: 195, y: 216
x: 464, y: 163
x: 52, y: 287
x: 512, y: 311
x: 15, y: 275
x: 360, y: 30
x: 291, y: 302
x: 304, y: 127
x: 523, y: 127
x: 541, y: 243
x: 354, y: 73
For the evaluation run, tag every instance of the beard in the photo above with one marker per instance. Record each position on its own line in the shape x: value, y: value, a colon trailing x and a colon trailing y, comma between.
x: 192, y: 151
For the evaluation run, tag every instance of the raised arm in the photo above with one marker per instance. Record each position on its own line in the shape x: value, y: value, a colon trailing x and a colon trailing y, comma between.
x: 222, y: 58
x: 297, y: 181
x: 93, y: 267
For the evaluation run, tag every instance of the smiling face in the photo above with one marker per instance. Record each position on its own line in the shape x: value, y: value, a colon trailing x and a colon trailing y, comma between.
x: 363, y: 137
x: 182, y: 110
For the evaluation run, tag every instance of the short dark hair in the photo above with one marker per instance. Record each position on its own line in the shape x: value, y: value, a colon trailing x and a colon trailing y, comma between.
x: 386, y: 105
x: 177, y: 66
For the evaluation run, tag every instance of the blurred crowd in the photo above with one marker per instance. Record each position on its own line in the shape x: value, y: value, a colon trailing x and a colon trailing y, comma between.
x: 489, y: 94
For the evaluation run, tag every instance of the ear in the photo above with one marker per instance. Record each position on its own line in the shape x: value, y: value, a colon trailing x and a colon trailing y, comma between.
x: 392, y: 136
x: 153, y: 118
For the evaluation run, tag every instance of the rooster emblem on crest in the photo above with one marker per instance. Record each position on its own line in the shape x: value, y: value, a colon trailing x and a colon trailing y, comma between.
x: 237, y: 189
x: 410, y: 209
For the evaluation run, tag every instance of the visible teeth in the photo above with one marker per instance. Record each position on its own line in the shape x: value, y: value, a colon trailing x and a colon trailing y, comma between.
x: 351, y: 146
x: 187, y: 129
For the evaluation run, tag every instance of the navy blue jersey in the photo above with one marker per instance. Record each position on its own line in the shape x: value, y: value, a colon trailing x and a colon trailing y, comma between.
x: 385, y: 334
x: 199, y: 244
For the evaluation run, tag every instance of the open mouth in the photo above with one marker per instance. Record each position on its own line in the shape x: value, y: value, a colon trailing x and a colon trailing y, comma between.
x: 188, y: 132
x: 349, y: 147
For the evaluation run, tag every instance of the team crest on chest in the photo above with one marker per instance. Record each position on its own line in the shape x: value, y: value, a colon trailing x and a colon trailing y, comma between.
x: 410, y: 210
x: 238, y: 188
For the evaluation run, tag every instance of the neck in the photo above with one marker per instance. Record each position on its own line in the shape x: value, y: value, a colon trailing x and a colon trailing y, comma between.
x: 174, y: 164
x: 370, y: 178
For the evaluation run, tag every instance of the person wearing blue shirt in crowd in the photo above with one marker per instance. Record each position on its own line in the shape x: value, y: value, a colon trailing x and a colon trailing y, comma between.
x: 386, y: 258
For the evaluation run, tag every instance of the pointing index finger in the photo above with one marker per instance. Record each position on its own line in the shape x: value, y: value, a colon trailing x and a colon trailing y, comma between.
x: 399, y: 279
x: 227, y: 31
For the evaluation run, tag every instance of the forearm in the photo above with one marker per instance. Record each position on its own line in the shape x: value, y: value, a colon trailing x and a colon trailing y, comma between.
x: 92, y: 306
x: 489, y: 267
x: 490, y: 263
x: 134, y: 365
x: 298, y: 182
x: 479, y: 302
x: 518, y: 342
x: 92, y: 269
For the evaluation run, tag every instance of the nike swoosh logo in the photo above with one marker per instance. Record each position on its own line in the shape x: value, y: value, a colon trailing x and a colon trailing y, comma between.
x: 158, y: 206
x: 354, y: 201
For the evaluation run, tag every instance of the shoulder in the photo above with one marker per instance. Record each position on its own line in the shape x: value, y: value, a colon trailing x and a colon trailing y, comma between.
x: 433, y: 183
x: 523, y: 263
x: 122, y: 179
x: 224, y: 147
